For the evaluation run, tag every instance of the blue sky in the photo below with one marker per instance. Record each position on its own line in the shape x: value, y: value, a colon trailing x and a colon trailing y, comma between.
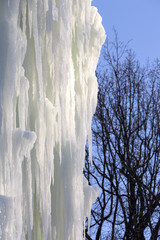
x: 136, y: 20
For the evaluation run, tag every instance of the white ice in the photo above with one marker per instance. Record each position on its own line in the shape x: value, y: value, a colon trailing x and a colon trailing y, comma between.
x: 48, y: 55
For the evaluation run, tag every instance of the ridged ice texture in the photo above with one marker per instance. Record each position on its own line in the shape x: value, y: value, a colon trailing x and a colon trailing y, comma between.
x: 48, y: 55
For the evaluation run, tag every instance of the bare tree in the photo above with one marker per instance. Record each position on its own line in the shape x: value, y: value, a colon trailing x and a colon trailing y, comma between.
x: 126, y: 148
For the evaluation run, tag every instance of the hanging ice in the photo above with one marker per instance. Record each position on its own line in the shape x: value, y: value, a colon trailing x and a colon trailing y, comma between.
x: 48, y: 54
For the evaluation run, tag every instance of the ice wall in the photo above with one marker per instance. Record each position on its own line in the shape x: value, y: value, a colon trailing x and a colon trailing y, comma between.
x: 48, y: 55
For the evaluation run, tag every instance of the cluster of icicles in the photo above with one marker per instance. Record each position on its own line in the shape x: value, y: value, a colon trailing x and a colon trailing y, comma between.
x: 48, y: 55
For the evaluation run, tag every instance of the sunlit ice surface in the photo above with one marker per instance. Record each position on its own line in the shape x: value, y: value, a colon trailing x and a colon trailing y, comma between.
x: 48, y: 91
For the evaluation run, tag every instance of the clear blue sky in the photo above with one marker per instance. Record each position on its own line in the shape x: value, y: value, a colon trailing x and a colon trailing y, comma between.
x: 136, y: 20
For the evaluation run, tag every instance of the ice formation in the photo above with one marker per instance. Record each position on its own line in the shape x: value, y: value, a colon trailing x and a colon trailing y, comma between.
x: 48, y: 55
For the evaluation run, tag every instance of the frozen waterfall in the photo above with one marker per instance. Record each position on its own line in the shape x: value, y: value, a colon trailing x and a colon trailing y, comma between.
x: 48, y: 55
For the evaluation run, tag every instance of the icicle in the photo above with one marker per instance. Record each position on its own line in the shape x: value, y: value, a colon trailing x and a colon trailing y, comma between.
x: 49, y: 50
x: 90, y: 195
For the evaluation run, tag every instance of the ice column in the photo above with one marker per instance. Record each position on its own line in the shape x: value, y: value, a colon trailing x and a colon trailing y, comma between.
x: 48, y: 55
